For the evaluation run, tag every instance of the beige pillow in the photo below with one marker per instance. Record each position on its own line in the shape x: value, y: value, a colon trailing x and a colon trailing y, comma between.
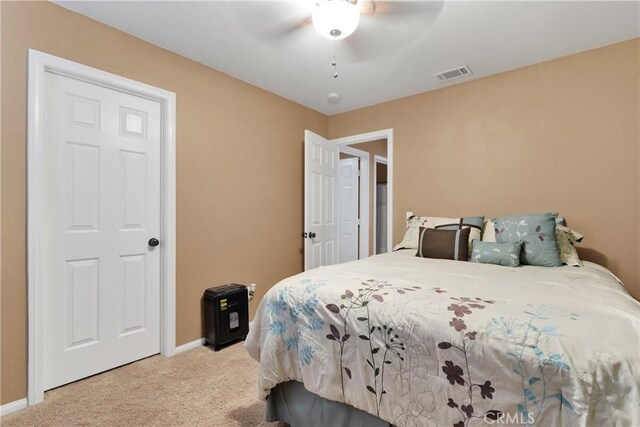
x: 410, y: 240
x: 567, y: 238
x: 489, y: 231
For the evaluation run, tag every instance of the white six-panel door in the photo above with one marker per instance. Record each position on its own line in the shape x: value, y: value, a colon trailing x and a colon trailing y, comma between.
x: 101, y: 279
x: 348, y: 194
x: 320, y: 181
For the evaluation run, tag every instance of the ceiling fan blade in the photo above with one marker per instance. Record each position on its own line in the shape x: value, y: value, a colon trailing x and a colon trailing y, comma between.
x: 402, y: 22
x: 275, y: 22
x: 367, y: 7
x: 397, y: 7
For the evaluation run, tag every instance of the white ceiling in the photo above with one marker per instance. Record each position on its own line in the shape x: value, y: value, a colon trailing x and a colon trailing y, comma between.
x: 392, y: 54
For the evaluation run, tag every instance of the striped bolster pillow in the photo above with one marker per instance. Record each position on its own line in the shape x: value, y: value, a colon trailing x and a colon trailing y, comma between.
x: 444, y: 244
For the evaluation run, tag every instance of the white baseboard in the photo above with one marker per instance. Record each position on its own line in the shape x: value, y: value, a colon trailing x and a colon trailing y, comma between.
x: 190, y: 345
x: 195, y: 344
x: 13, y: 406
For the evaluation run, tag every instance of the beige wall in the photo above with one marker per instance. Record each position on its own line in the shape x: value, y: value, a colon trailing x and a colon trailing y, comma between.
x: 561, y: 135
x: 231, y: 226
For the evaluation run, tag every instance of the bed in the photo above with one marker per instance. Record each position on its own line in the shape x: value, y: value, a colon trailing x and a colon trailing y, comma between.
x: 425, y: 342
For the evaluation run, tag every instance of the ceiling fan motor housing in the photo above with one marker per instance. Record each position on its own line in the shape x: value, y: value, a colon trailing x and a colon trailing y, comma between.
x: 336, y: 19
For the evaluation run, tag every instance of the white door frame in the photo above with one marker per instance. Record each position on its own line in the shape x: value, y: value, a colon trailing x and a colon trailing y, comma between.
x: 374, y: 136
x: 363, y: 191
x: 383, y: 160
x: 39, y: 64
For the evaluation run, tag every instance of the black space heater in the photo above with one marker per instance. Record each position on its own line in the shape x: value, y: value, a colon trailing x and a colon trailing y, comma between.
x: 226, y: 315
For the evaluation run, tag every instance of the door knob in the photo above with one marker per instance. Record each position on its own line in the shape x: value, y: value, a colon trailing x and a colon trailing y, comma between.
x: 153, y: 242
x: 312, y: 235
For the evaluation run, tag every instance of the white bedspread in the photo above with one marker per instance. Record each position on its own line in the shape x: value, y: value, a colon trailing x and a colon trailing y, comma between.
x: 422, y: 342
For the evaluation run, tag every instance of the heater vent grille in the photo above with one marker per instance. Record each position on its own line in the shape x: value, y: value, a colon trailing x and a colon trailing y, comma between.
x: 453, y: 74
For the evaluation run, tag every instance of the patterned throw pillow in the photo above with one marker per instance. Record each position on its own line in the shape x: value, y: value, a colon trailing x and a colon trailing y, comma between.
x: 443, y: 244
x: 489, y: 229
x: 536, y: 232
x: 410, y: 240
x: 566, y: 238
x: 507, y: 254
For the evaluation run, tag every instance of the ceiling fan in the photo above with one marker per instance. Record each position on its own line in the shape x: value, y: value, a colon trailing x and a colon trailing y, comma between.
x: 361, y: 30
x: 338, y: 19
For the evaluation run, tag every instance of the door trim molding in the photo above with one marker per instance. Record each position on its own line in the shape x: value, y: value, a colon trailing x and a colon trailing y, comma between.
x: 382, y: 160
x: 363, y: 190
x: 373, y: 136
x: 39, y: 64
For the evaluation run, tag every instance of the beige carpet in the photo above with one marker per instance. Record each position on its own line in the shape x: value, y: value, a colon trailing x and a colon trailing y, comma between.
x: 197, y: 388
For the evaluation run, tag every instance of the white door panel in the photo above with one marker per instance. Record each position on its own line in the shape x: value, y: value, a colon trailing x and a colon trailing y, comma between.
x: 321, y: 169
x: 102, y: 182
x: 348, y: 214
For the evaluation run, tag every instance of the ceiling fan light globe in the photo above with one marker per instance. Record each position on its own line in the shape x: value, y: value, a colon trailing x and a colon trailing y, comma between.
x: 336, y: 19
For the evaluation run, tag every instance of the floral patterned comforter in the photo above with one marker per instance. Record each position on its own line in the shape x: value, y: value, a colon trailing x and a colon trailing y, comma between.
x: 424, y: 342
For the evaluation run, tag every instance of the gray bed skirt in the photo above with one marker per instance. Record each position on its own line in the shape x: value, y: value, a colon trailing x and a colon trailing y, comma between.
x: 291, y: 403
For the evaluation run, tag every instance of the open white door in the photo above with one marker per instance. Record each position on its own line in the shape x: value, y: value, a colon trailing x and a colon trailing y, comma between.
x: 348, y: 208
x: 320, y: 224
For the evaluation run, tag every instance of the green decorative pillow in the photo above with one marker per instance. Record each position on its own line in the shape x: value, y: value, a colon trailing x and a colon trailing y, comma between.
x: 536, y: 232
x: 489, y: 229
x: 507, y: 254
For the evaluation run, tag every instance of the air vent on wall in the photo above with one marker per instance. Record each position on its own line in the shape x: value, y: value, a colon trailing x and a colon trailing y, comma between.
x: 456, y: 73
